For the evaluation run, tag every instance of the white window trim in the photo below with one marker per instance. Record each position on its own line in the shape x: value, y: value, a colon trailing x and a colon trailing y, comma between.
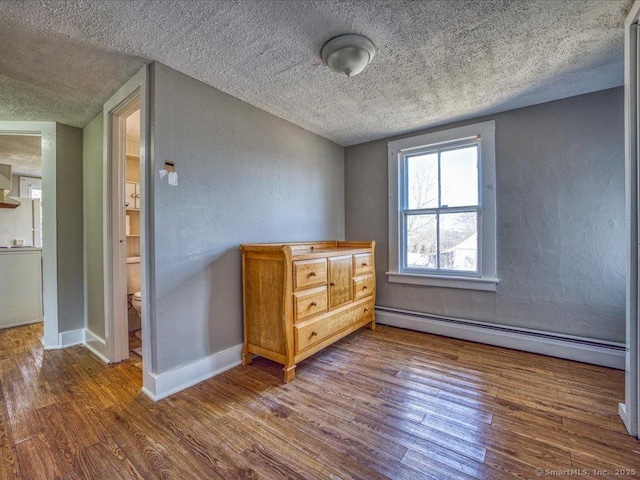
x: 487, y: 280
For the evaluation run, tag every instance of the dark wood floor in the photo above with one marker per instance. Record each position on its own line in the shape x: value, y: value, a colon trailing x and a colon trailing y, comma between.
x: 385, y: 404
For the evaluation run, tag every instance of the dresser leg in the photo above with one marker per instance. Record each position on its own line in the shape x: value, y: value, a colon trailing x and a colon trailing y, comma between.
x: 247, y: 357
x: 372, y: 325
x: 289, y: 373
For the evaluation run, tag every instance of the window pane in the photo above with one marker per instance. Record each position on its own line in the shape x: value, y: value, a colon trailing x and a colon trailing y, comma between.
x: 459, y: 176
x: 422, y: 181
x: 421, y: 241
x: 459, y: 241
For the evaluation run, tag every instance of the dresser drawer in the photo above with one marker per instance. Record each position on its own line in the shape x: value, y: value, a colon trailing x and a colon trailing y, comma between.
x: 309, y: 273
x: 309, y: 302
x: 311, y: 332
x: 362, y: 286
x: 362, y: 264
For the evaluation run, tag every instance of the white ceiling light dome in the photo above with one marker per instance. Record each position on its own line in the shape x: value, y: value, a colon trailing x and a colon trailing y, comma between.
x: 348, y: 54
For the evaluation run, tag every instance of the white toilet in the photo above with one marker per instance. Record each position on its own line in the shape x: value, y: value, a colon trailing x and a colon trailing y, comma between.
x: 137, y: 302
x: 133, y: 283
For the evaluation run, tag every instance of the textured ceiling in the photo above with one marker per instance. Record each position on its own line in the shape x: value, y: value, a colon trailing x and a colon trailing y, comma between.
x: 23, y: 153
x: 436, y: 61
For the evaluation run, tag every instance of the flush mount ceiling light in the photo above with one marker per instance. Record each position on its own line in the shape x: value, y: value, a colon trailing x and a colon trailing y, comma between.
x: 348, y: 54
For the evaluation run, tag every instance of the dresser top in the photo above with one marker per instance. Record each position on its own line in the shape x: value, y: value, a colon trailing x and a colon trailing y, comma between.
x: 328, y: 252
x: 312, y: 249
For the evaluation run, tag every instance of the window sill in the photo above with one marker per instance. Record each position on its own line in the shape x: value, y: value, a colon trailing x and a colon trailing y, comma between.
x: 467, y: 283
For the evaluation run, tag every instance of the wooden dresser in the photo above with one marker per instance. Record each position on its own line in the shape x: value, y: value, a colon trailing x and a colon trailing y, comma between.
x: 300, y: 297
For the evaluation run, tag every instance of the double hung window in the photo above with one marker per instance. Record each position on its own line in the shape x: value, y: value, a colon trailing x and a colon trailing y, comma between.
x: 442, y: 208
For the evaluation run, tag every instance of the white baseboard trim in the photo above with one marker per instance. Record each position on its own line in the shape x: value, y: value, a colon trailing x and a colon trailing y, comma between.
x: 95, y: 345
x: 622, y: 413
x: 596, y: 352
x: 71, y: 338
x: 162, y: 385
x: 68, y: 339
x: 21, y: 324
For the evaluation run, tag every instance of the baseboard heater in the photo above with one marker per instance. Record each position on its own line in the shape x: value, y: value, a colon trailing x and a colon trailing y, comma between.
x: 596, y: 352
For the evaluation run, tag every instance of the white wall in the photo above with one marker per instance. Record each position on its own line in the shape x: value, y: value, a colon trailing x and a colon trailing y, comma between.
x: 560, y: 221
x: 17, y: 222
x: 244, y: 176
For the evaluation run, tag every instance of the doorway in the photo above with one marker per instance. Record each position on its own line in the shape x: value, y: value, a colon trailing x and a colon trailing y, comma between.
x: 126, y: 176
x: 133, y: 206
x: 20, y: 229
x: 629, y: 411
x: 45, y: 132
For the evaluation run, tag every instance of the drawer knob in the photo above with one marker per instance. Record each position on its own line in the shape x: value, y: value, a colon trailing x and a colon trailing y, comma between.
x: 312, y: 274
x: 364, y: 287
x: 313, y: 334
x: 313, y: 304
x: 333, y: 284
x: 364, y: 264
x: 366, y: 309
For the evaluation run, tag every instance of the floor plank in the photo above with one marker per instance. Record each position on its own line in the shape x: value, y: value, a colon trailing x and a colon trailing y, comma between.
x: 387, y: 404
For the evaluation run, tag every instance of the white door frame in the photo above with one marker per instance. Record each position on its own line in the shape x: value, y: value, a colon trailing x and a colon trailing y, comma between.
x: 47, y: 132
x: 629, y: 410
x: 131, y: 96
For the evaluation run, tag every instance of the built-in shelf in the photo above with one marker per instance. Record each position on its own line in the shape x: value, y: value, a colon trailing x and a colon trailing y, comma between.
x: 132, y: 196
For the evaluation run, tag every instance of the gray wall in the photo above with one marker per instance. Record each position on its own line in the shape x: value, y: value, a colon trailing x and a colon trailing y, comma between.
x: 69, y: 227
x: 92, y: 175
x: 244, y: 176
x: 15, y: 186
x: 560, y: 212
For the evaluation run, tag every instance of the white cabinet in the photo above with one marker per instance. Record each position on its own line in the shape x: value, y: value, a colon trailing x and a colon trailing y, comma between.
x: 132, y: 196
x: 20, y: 286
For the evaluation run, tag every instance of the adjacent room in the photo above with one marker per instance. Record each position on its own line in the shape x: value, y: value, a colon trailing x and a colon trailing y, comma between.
x: 340, y: 239
x: 20, y: 229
